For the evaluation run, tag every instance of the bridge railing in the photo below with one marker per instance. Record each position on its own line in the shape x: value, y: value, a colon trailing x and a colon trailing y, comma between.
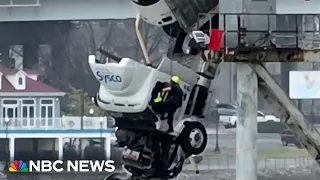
x: 284, y: 30
x: 260, y: 34
x: 229, y: 163
x: 64, y: 122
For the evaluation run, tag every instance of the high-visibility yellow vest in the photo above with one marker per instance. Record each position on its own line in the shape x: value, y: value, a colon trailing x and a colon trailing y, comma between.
x: 161, y: 97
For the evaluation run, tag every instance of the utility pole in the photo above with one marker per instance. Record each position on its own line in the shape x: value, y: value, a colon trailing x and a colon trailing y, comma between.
x: 247, y: 87
x: 6, y: 121
x: 217, y: 118
x: 82, y: 111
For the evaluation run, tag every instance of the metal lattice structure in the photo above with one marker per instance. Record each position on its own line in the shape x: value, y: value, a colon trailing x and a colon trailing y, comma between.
x: 296, y: 39
x: 270, y: 43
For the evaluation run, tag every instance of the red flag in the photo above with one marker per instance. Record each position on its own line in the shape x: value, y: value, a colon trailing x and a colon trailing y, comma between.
x: 215, y: 39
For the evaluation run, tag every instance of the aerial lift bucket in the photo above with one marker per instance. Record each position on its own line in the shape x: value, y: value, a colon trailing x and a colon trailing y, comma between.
x: 215, y: 39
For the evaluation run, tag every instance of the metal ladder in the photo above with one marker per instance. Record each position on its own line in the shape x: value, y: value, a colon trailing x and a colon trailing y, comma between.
x: 293, y: 119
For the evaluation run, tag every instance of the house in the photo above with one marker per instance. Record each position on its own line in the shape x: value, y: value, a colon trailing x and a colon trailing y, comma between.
x: 27, y: 102
x: 30, y: 118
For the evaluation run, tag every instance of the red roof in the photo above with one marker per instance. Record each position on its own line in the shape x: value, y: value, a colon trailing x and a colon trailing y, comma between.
x: 9, y: 71
x: 31, y: 84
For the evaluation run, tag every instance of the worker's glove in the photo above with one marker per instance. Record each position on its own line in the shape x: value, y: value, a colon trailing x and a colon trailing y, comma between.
x: 166, y: 89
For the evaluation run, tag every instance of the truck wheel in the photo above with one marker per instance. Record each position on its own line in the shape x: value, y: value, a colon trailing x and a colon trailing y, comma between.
x: 235, y: 125
x: 193, y: 138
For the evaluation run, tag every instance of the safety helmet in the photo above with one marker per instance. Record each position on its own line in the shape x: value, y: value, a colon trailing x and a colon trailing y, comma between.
x: 175, y: 79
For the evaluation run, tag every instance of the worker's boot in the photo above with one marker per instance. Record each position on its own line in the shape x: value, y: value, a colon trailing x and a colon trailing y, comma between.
x: 170, y: 128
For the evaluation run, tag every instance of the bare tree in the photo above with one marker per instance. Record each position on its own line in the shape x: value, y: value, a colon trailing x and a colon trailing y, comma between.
x: 76, y: 101
x: 123, y: 40
x: 156, y: 42
x: 56, y: 70
x: 84, y: 38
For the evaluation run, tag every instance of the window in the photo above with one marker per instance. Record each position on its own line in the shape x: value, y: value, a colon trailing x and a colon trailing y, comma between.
x: 28, y: 112
x: 9, y: 102
x: 43, y: 111
x: 8, y: 105
x: 28, y: 102
x: 10, y: 110
x: 260, y: 114
x: 47, y: 102
x: 24, y: 112
x: 20, y: 81
x: 47, y: 112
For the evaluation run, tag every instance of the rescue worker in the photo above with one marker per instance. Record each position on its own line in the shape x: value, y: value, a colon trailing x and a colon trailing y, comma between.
x: 169, y: 100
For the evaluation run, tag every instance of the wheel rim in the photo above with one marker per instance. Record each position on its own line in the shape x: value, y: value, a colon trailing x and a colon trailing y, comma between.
x: 196, y: 138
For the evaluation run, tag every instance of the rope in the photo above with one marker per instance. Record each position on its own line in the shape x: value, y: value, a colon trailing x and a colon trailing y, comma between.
x: 143, y: 46
x: 141, y: 41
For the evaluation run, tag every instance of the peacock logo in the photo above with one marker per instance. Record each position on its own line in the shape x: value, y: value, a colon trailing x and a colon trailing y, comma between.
x: 18, y: 166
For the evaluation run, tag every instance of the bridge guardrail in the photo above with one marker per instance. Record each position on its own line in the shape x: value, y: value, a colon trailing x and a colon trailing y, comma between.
x: 229, y: 163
